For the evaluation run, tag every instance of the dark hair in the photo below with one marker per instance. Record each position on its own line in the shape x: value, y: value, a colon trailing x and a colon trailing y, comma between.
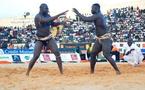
x: 130, y: 40
x: 43, y: 4
x: 97, y: 5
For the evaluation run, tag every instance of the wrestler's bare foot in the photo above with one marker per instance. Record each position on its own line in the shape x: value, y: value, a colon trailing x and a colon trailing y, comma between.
x: 92, y: 72
x: 61, y: 73
x: 118, y: 73
x: 27, y: 74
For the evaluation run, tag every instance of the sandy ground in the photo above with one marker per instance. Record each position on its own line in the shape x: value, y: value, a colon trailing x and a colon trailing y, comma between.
x: 76, y: 77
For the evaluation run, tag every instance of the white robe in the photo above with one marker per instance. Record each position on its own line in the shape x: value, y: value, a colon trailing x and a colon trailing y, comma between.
x: 135, y: 57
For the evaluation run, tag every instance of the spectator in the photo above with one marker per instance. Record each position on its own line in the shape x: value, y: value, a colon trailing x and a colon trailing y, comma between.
x: 89, y: 51
x: 133, y: 54
x: 4, y: 45
x: 120, y: 22
x: 32, y: 44
x: 26, y: 45
x: 115, y: 51
x: 11, y: 46
x: 78, y: 50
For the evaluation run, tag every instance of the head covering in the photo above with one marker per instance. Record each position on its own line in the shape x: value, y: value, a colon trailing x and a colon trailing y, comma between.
x: 130, y: 40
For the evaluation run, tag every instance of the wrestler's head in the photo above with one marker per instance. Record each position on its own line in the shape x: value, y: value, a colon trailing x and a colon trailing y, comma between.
x: 95, y: 8
x: 44, y: 8
x: 130, y: 41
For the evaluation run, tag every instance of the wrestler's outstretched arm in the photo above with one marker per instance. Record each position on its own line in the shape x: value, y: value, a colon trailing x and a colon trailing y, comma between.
x: 46, y: 19
x: 84, y: 18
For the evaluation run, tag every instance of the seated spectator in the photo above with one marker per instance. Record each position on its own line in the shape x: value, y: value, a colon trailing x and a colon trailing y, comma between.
x: 26, y: 45
x: 11, y: 46
x: 133, y: 54
x: 115, y: 51
x: 32, y: 44
x: 4, y: 45
x: 78, y: 50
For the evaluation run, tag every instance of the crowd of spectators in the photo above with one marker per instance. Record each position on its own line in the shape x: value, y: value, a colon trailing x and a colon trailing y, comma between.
x: 120, y: 22
x: 126, y: 21
x: 10, y: 36
x: 77, y: 31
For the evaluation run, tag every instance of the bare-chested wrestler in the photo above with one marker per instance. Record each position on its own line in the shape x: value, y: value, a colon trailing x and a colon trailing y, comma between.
x: 103, y: 41
x: 43, y: 22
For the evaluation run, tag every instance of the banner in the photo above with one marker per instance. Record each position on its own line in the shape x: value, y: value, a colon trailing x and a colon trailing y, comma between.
x: 64, y: 57
x: 1, y: 51
x: 18, y: 51
x: 75, y: 57
x: 6, y: 58
x: 26, y: 57
x: 43, y: 57
x: 16, y: 58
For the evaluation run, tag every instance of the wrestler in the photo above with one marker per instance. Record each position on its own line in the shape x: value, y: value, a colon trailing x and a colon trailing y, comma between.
x: 103, y: 41
x: 43, y: 22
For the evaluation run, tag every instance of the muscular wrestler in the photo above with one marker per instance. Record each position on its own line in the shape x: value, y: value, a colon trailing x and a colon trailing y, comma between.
x: 43, y: 22
x: 103, y: 41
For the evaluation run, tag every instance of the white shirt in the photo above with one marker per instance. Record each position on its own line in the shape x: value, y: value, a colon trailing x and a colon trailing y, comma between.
x: 133, y: 46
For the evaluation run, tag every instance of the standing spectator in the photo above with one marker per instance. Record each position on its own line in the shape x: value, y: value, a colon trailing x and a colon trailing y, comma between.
x: 89, y: 51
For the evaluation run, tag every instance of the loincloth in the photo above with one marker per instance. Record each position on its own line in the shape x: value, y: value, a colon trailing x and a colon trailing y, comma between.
x: 105, y: 36
x: 44, y: 38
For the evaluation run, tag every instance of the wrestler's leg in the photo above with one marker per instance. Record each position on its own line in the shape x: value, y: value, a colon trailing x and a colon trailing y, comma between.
x: 96, y: 49
x: 53, y: 47
x: 37, y: 51
x: 106, y: 48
